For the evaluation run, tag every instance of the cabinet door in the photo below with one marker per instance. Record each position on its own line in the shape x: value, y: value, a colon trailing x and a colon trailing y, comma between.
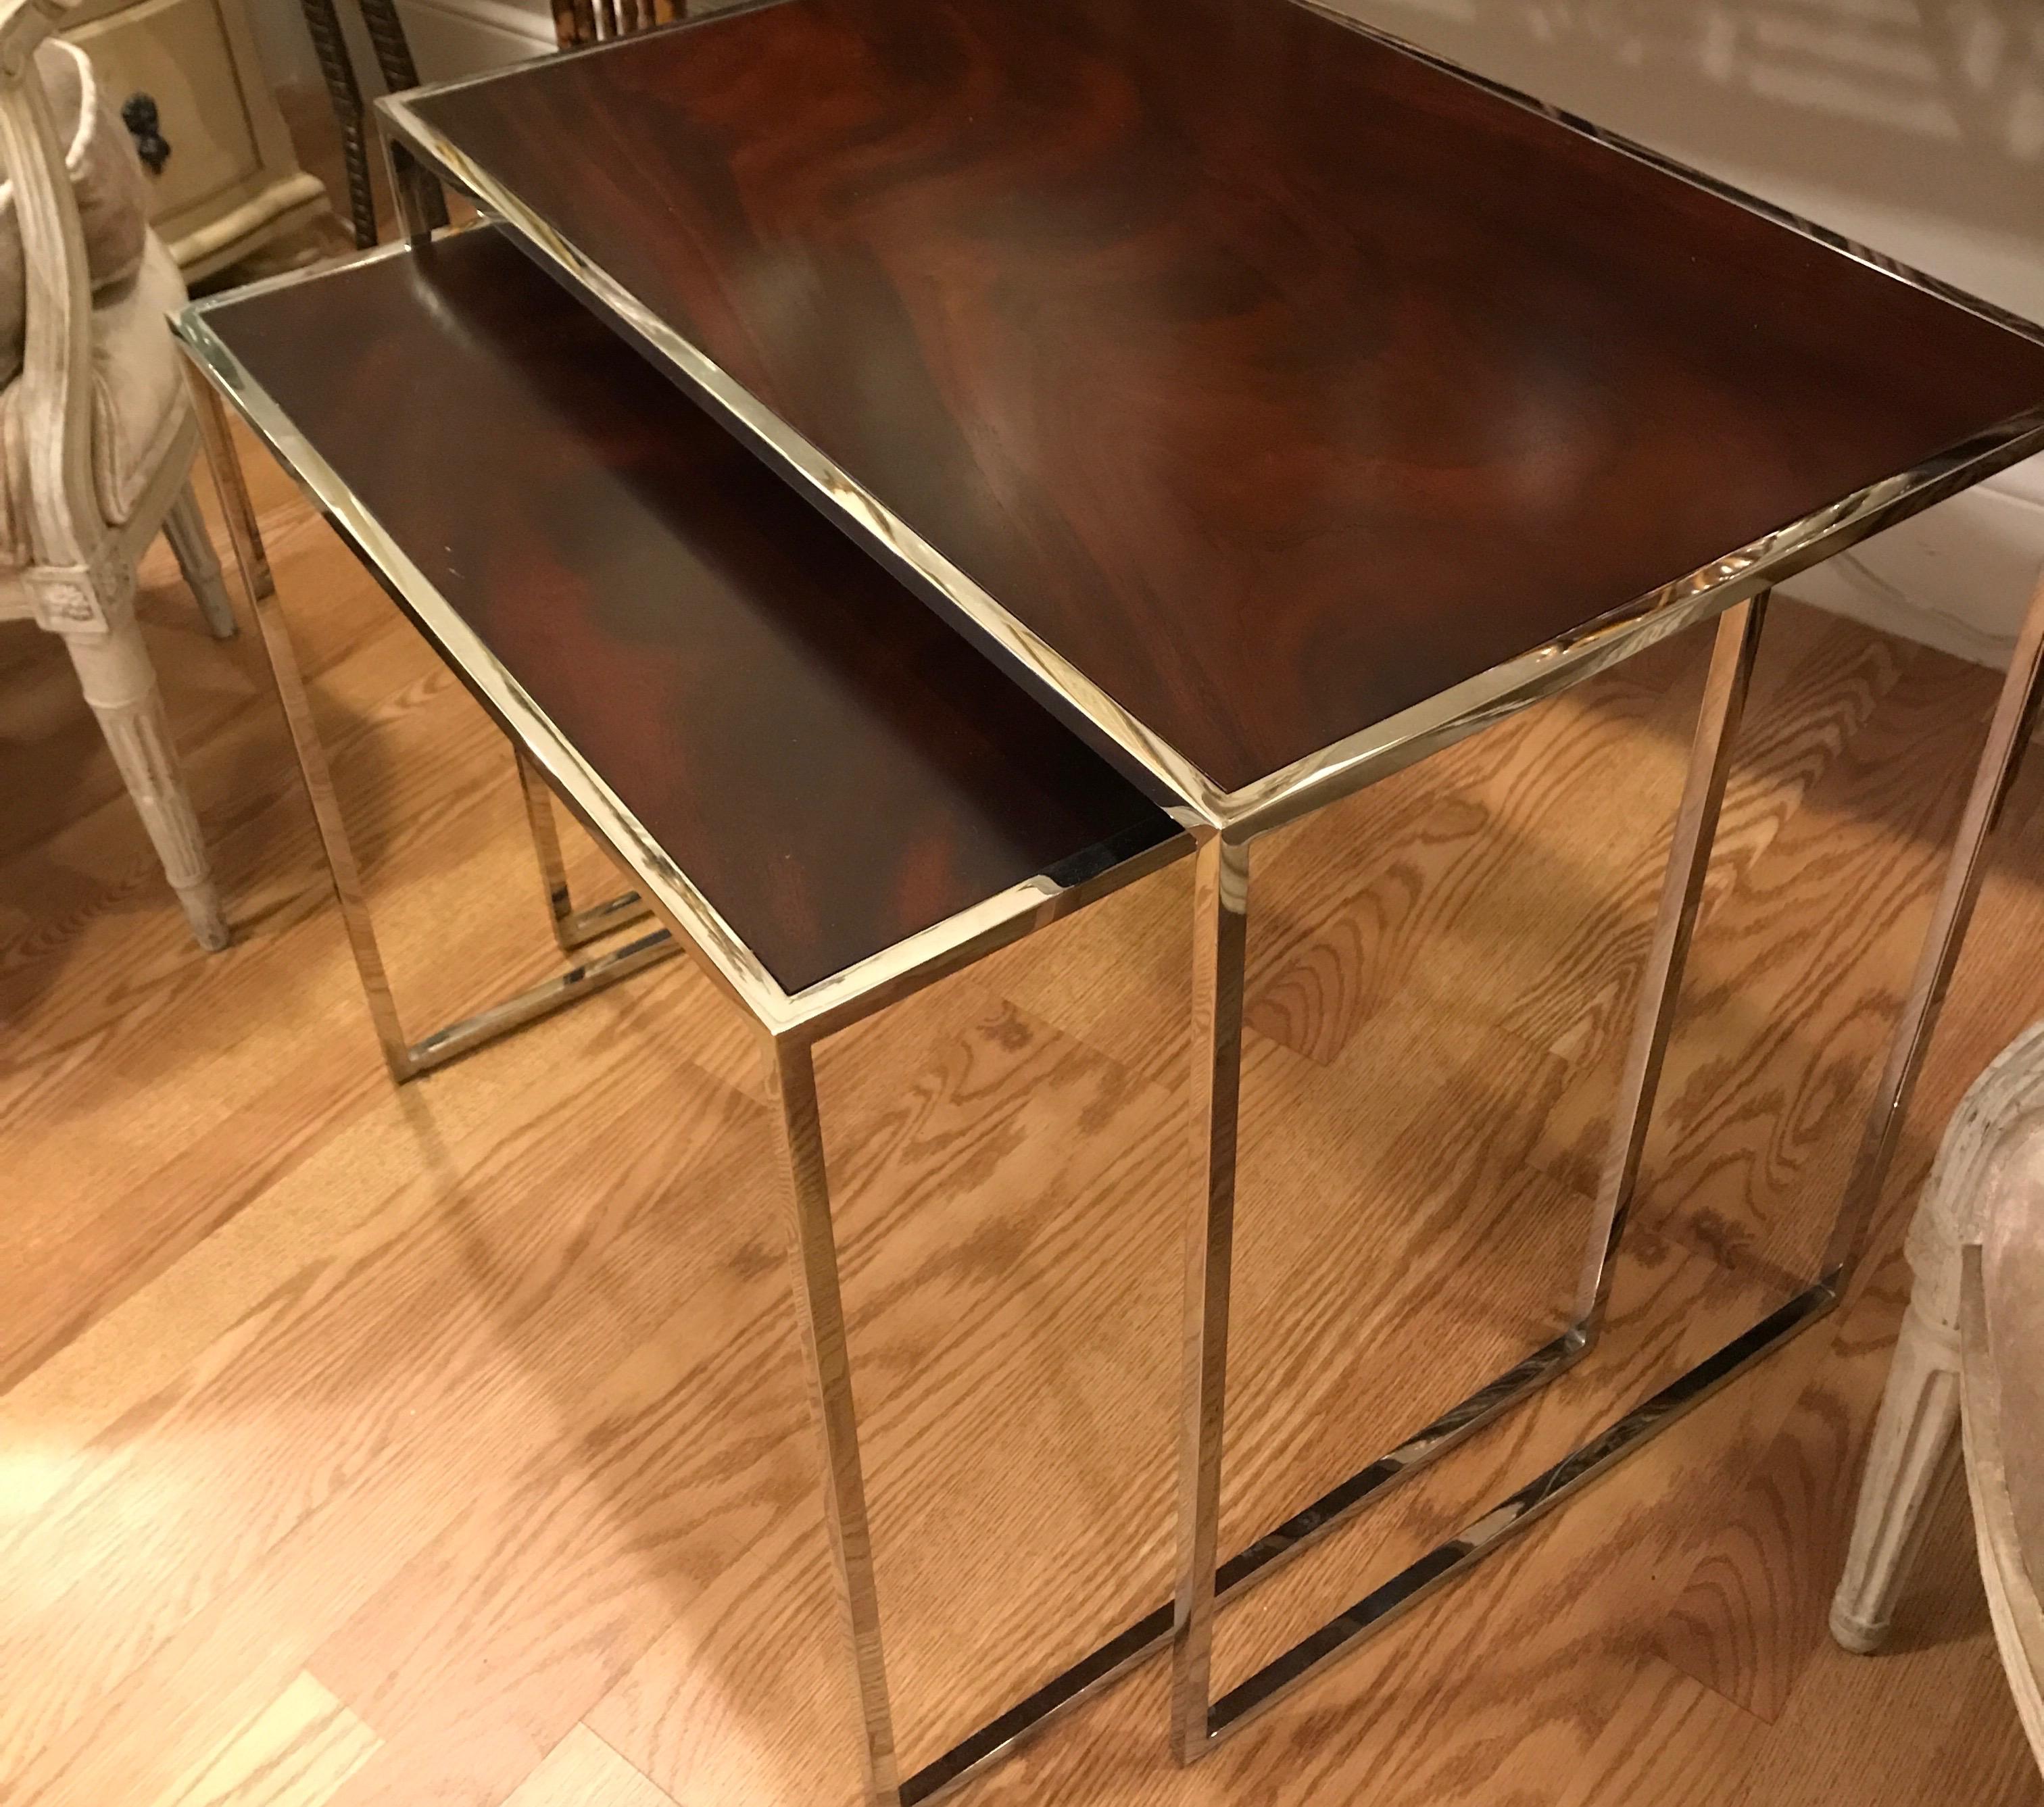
x: 176, y: 52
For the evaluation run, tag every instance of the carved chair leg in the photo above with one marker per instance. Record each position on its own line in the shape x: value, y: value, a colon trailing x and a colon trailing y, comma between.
x: 1916, y: 1444
x: 121, y: 685
x: 184, y: 527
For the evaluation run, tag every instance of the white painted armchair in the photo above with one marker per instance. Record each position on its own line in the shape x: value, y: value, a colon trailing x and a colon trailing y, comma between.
x: 98, y: 433
x: 1971, y: 1352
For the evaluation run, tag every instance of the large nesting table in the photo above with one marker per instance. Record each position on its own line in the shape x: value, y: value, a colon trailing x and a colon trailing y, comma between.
x: 1281, y: 404
x: 826, y: 796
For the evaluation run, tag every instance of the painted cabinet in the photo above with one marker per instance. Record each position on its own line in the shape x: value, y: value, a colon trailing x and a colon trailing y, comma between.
x: 187, y: 76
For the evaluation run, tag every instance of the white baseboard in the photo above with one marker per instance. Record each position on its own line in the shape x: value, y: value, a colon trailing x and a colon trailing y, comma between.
x: 1957, y: 578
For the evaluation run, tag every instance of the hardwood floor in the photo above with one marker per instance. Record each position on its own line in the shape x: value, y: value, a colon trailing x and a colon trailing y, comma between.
x: 448, y: 1445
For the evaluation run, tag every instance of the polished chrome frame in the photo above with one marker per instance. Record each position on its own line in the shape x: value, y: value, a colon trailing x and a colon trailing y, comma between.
x: 549, y: 769
x: 831, y: 1003
x: 406, y: 1058
x: 1734, y: 586
x: 573, y: 928
x: 1228, y: 821
x: 1374, y: 752
x: 2014, y: 721
x: 1198, y: 1720
x: 1221, y: 926
x: 417, y: 197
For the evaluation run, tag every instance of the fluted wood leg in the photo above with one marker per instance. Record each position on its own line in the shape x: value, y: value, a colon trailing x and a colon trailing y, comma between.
x: 1915, y: 1440
x: 1915, y: 1443
x: 184, y: 527
x: 120, y: 684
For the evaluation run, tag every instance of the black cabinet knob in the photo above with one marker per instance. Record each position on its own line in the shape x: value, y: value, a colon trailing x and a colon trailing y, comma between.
x: 138, y: 113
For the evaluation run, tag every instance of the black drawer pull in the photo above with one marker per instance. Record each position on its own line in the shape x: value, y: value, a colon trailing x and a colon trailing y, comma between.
x: 138, y: 113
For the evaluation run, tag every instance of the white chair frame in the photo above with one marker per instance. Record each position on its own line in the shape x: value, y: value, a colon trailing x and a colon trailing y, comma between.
x: 79, y: 583
x: 1987, y: 1181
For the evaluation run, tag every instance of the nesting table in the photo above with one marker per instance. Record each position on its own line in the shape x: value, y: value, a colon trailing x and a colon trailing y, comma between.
x: 1271, y: 403
x: 827, y: 797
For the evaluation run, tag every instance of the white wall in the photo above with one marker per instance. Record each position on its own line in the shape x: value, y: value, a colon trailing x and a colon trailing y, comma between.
x: 1914, y: 126
x: 281, y: 39
x: 451, y: 37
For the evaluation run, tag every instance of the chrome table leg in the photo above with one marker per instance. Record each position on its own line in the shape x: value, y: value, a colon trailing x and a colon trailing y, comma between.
x: 1220, y: 947
x: 573, y: 928
x: 2007, y: 738
x: 407, y: 1059
x: 415, y: 192
x: 230, y: 484
x: 820, y: 1311
x: 1221, y: 904
x: 1717, y: 718
x: 1222, y: 879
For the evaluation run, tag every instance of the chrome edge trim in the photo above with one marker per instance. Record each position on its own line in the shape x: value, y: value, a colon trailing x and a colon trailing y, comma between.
x: 833, y: 1003
x: 708, y: 380
x: 289, y: 279
x: 1411, y: 735
x: 1385, y: 747
x: 844, y: 998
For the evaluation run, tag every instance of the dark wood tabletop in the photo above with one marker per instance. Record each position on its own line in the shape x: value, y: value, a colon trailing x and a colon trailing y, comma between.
x: 832, y: 766
x: 1276, y: 377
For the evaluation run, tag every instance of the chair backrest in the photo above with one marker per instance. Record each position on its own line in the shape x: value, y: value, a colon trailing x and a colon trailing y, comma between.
x: 593, y: 21
x: 69, y: 537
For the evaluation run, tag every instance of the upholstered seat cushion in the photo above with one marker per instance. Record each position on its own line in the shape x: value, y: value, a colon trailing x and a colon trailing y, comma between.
x: 106, y: 181
x: 136, y: 400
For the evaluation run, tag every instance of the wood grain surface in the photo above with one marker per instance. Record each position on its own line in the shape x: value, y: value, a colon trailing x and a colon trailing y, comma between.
x: 1277, y: 379
x: 833, y: 767
x: 448, y: 1445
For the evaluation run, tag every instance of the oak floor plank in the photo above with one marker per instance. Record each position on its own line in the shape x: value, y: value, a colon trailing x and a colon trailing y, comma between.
x: 295, y: 1754
x: 1670, y: 1742
x: 225, y: 1664
x: 1915, y: 1722
x: 305, y: 1198
x: 1753, y: 1611
x: 583, y: 1771
x: 507, y: 1247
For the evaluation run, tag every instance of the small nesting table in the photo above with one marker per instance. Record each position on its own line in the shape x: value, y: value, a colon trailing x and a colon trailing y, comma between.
x: 1282, y: 404
x: 825, y: 795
